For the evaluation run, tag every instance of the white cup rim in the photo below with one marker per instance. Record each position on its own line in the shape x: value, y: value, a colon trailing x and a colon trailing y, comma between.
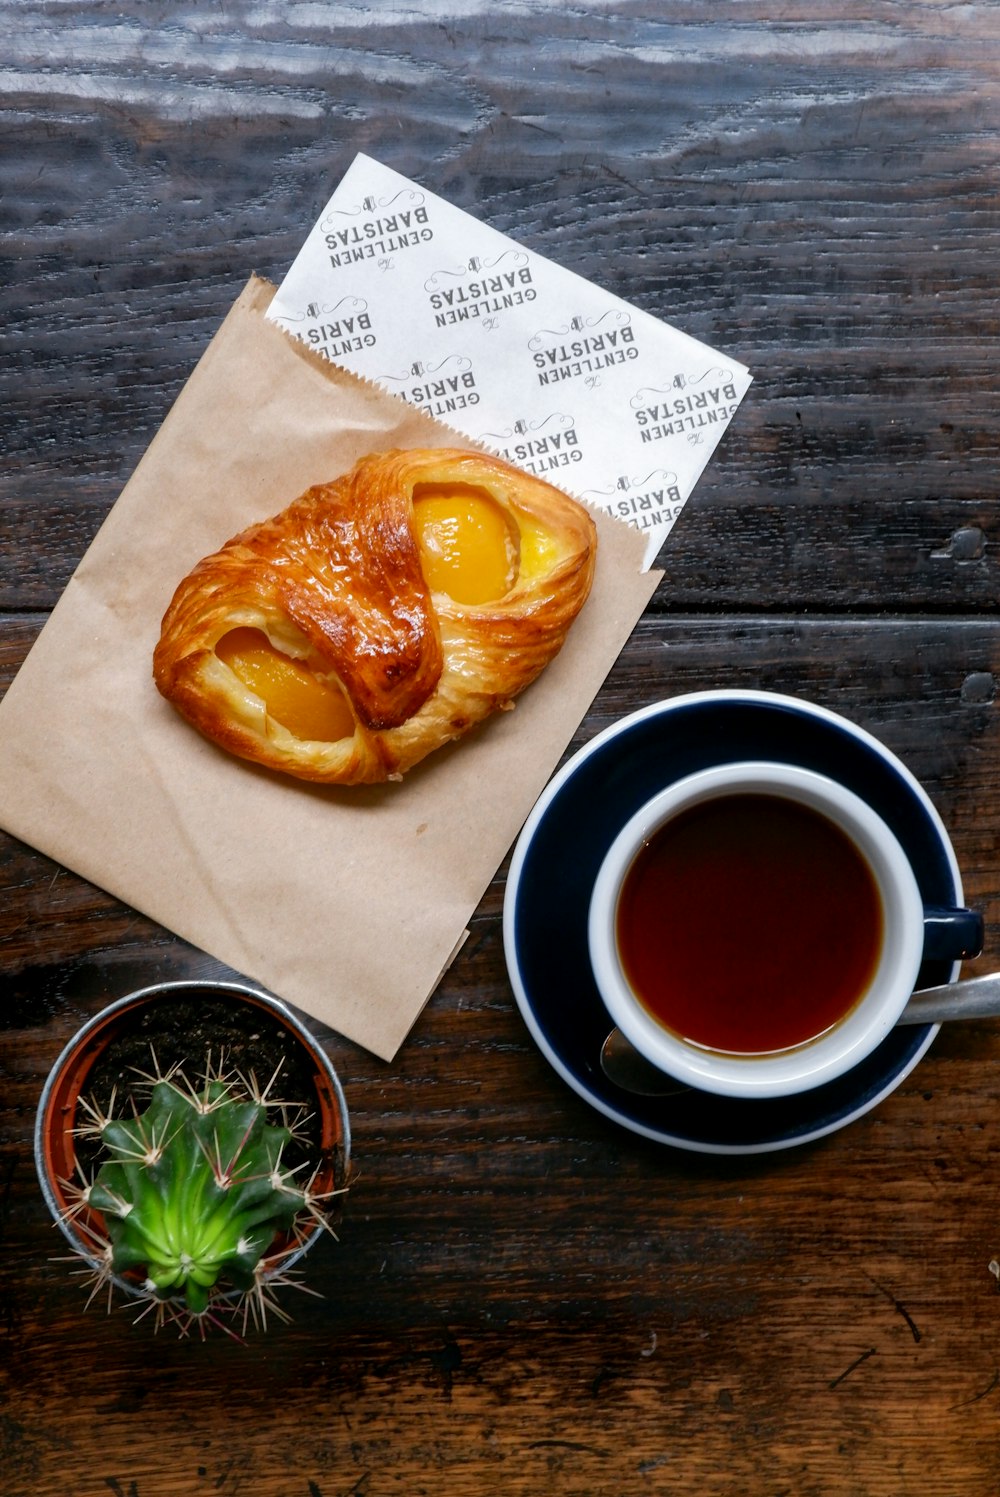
x: 820, y: 1060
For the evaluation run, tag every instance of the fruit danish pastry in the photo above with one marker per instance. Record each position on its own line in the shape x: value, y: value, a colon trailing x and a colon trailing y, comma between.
x: 378, y: 616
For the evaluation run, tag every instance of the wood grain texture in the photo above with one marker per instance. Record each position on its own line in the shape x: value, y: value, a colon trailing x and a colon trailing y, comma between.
x: 524, y: 1297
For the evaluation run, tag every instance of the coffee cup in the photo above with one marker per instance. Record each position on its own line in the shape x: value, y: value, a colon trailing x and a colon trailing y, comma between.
x: 756, y: 929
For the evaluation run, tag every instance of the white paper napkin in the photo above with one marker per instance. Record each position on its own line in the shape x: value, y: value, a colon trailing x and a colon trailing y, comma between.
x: 510, y: 350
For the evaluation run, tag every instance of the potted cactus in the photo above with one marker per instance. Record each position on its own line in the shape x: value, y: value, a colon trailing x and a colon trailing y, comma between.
x: 194, y: 1182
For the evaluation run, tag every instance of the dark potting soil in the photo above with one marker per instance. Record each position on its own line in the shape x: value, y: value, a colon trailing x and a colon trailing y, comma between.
x: 195, y: 1029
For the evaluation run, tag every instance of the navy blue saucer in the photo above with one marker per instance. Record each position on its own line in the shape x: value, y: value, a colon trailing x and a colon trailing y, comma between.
x: 564, y: 842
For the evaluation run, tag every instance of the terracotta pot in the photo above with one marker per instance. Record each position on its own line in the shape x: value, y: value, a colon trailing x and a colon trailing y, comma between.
x: 60, y: 1112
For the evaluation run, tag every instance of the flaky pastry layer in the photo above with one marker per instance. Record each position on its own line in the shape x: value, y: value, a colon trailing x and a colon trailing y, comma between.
x: 336, y: 582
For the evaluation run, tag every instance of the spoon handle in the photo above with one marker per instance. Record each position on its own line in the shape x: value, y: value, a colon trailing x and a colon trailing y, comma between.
x: 973, y: 998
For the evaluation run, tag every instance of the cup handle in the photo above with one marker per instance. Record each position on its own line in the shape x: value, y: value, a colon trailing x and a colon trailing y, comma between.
x: 952, y: 935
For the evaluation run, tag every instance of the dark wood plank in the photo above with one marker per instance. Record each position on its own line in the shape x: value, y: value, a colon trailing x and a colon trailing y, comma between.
x: 816, y: 196
x: 519, y: 1286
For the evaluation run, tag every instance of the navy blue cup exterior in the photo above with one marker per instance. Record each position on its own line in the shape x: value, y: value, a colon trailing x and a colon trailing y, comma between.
x: 952, y: 935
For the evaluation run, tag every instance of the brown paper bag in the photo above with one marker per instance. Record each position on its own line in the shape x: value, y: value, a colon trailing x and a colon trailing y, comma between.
x: 349, y: 903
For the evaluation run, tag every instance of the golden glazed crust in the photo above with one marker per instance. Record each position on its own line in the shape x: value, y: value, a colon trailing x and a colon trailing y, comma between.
x: 335, y: 581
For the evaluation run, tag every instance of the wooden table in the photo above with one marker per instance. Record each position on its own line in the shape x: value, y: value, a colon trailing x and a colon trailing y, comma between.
x: 526, y: 1298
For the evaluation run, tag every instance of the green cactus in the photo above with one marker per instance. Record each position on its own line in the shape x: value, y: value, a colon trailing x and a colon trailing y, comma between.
x: 193, y: 1194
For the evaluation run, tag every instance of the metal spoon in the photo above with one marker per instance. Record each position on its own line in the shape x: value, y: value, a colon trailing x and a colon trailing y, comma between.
x: 975, y: 998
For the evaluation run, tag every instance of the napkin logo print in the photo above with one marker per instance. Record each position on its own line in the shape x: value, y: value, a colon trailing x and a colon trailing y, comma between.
x: 500, y: 285
x: 606, y: 340
x: 540, y: 451
x: 371, y: 205
x: 440, y: 389
x: 348, y: 331
x: 660, y: 413
x: 380, y: 234
x: 645, y: 502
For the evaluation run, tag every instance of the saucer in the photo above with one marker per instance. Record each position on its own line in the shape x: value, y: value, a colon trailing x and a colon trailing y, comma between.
x: 563, y: 844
